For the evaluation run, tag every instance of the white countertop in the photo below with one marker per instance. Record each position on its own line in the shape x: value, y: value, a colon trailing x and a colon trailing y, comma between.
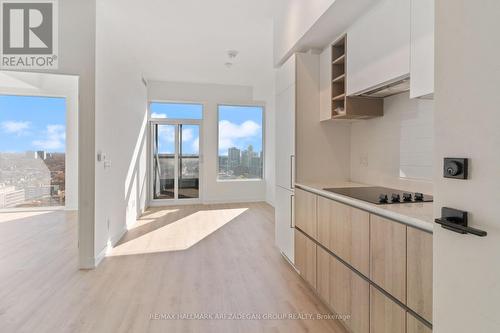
x: 417, y: 215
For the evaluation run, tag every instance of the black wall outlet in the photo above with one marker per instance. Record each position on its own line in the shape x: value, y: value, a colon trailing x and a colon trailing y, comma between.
x: 457, y: 168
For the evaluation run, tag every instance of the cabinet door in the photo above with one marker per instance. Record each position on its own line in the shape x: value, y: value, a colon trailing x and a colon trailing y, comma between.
x: 323, y: 274
x: 385, y: 315
x: 325, y: 84
x: 419, y: 283
x: 349, y: 294
x: 285, y: 137
x: 413, y: 325
x: 305, y: 212
x: 378, y: 46
x: 305, y: 258
x: 422, y: 48
x: 284, y: 232
x: 388, y: 256
x: 345, y: 231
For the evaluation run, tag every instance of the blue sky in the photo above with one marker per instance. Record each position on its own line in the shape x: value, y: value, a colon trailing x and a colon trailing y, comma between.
x: 32, y: 123
x: 239, y: 126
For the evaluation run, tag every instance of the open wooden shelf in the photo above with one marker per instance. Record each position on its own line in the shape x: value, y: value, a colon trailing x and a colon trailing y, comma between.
x: 339, y: 97
x: 345, y: 107
x: 339, y: 61
x: 339, y: 79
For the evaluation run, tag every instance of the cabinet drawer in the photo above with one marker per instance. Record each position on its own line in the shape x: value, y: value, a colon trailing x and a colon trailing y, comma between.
x: 349, y: 295
x: 419, y: 282
x: 305, y: 258
x: 385, y: 315
x: 305, y: 212
x: 345, y: 231
x: 413, y: 325
x: 388, y: 256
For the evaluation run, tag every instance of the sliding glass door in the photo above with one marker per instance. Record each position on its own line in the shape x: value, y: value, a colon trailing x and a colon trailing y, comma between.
x: 175, y: 171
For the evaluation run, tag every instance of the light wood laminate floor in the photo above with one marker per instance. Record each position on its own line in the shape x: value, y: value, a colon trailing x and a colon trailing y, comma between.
x: 188, y: 260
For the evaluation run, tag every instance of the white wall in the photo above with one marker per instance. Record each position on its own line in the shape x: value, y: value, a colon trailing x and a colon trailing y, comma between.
x: 66, y: 86
x: 121, y: 117
x: 210, y: 95
x: 293, y: 18
x: 77, y: 56
x: 395, y: 150
x: 467, y: 122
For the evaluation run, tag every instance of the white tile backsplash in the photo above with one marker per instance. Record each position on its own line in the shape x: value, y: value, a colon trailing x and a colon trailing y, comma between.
x: 396, y: 149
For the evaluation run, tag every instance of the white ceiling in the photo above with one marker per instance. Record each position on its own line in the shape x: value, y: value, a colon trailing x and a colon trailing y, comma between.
x: 188, y: 40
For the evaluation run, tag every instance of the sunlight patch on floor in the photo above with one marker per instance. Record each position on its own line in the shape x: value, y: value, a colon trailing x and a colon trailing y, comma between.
x: 11, y: 216
x: 180, y: 234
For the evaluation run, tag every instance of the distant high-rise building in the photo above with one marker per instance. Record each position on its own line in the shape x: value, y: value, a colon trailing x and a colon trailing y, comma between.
x: 233, y: 156
x: 41, y: 154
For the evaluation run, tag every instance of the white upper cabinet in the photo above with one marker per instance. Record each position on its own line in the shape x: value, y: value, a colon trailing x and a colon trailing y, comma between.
x: 378, y: 46
x: 422, y: 48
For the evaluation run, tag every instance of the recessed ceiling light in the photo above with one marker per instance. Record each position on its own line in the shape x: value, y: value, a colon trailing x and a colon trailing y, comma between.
x: 232, y: 54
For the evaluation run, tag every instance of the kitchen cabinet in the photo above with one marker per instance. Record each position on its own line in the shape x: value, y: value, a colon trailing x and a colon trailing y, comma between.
x: 419, y: 271
x: 388, y: 256
x: 284, y: 222
x: 305, y: 257
x: 379, y: 46
x: 335, y: 104
x: 345, y: 231
x: 386, y: 316
x: 422, y: 48
x: 413, y: 325
x: 285, y: 140
x: 323, y: 274
x: 349, y: 294
x: 305, y: 212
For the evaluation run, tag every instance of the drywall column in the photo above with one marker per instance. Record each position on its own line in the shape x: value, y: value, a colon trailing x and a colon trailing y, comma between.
x: 467, y: 77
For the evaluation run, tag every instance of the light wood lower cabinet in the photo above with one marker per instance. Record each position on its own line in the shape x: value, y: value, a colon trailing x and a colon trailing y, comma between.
x: 396, y: 258
x: 350, y: 295
x: 344, y: 291
x: 419, y: 271
x: 388, y: 256
x: 305, y: 212
x: 413, y: 325
x: 386, y: 316
x: 305, y: 257
x: 345, y: 231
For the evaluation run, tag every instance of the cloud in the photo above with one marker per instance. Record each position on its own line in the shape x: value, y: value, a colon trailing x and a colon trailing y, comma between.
x: 230, y: 132
x: 187, y: 134
x: 158, y: 115
x: 55, y: 138
x: 196, y: 145
x: 16, y: 127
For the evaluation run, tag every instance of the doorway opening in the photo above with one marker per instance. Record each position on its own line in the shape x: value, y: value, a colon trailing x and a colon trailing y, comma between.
x: 175, y: 153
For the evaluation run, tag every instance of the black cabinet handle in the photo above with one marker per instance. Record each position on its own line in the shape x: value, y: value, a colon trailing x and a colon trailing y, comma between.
x: 456, y: 220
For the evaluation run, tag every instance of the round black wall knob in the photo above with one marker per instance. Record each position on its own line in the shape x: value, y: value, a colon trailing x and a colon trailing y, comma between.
x: 453, y: 168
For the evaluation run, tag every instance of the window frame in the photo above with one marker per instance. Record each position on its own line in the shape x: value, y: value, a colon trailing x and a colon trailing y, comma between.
x: 159, y: 101
x: 252, y: 104
x: 176, y: 121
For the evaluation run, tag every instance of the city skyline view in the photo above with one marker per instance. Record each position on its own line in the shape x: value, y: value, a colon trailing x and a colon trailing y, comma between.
x: 240, y: 142
x: 32, y: 151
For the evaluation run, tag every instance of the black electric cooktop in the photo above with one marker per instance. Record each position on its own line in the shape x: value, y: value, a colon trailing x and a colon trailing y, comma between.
x: 381, y: 195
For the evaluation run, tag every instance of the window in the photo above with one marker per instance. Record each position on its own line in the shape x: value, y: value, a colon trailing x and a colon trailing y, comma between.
x: 241, y: 154
x: 32, y: 151
x: 161, y: 110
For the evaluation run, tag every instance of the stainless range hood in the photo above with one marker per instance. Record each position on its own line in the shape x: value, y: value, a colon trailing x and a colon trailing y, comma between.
x: 398, y: 86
